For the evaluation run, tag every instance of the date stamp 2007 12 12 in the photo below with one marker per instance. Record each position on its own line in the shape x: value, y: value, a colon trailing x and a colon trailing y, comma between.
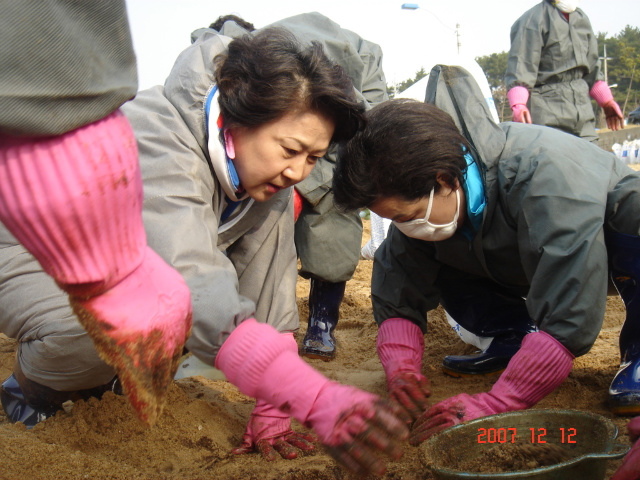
x: 534, y: 435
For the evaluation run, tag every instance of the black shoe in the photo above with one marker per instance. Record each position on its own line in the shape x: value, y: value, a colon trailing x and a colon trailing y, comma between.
x: 17, y: 408
x: 491, y: 361
x: 45, y: 401
x: 324, y: 306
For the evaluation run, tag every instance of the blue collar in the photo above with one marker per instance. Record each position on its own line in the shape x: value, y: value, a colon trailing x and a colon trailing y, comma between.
x: 474, y: 193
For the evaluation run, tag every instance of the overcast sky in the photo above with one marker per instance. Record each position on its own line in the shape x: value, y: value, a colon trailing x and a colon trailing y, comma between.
x: 410, y: 39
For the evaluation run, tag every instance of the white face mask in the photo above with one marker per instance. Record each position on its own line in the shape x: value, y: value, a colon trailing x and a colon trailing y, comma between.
x: 566, y: 6
x: 422, y: 229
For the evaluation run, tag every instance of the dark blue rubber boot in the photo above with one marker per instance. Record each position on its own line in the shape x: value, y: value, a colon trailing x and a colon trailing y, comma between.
x: 29, y: 402
x: 17, y: 408
x: 624, y: 264
x: 324, y: 310
x: 488, y: 310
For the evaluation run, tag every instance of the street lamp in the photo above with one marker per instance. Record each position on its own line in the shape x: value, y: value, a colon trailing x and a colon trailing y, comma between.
x: 415, y: 6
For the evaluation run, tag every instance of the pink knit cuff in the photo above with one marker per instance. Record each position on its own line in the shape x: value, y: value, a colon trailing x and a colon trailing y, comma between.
x: 240, y: 359
x: 536, y: 370
x: 259, y: 360
x: 518, y: 96
x: 75, y: 201
x: 400, y: 345
x: 601, y: 92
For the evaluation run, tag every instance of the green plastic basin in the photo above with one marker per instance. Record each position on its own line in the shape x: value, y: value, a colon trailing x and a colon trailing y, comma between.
x: 588, y: 438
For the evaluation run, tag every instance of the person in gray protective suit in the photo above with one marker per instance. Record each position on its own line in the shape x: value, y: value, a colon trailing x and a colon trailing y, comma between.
x: 493, y: 215
x: 327, y: 241
x: 236, y: 124
x: 553, y: 71
x: 71, y: 195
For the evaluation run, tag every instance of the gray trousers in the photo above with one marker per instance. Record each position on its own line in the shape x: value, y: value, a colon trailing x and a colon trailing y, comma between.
x: 53, y: 347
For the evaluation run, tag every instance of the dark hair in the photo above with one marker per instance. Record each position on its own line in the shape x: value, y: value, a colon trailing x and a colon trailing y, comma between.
x: 266, y: 75
x: 217, y: 25
x: 403, y: 147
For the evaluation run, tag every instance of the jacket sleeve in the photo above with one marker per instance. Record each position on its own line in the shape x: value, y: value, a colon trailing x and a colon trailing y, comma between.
x: 527, y: 42
x: 558, y: 201
x: 402, y: 283
x: 180, y: 219
x: 592, y: 59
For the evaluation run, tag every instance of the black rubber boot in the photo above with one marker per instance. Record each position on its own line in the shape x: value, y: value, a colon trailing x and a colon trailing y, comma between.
x: 29, y: 402
x: 17, y: 408
x: 324, y: 309
x: 624, y: 264
x: 486, y: 309
x: 490, y: 361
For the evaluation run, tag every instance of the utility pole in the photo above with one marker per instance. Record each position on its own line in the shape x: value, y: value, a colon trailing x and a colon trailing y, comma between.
x: 605, y: 58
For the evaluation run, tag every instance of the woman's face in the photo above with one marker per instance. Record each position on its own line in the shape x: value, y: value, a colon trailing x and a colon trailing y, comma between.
x: 280, y: 153
x: 442, y: 211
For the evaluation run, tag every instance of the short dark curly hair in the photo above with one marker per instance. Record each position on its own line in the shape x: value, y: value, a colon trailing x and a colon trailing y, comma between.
x: 220, y: 21
x: 265, y: 75
x: 400, y: 152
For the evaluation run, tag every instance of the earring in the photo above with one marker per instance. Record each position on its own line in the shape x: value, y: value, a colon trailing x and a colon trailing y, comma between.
x: 228, y: 144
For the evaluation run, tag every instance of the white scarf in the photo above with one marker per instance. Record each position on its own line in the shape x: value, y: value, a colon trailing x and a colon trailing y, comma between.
x: 566, y: 6
x: 222, y: 164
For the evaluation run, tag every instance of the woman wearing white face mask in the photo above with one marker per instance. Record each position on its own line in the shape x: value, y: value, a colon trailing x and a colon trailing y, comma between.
x: 553, y: 71
x: 504, y: 227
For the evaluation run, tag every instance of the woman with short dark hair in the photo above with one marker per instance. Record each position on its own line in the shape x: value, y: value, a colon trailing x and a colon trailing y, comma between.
x: 510, y: 229
x: 236, y: 124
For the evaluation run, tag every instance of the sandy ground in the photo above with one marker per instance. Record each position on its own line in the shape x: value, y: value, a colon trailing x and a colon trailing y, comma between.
x: 205, y: 419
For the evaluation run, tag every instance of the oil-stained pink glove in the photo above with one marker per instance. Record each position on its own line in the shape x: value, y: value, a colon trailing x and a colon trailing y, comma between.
x: 355, y: 426
x: 269, y: 430
x: 536, y: 370
x: 75, y: 202
x: 630, y: 468
x: 518, y: 98
x: 400, y: 344
x: 601, y: 93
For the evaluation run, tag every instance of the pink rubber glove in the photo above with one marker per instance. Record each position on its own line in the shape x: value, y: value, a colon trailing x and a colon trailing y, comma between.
x: 400, y: 344
x: 518, y: 98
x: 536, y: 370
x: 269, y: 429
x: 75, y: 202
x: 355, y: 426
x: 601, y: 93
x: 269, y: 432
x: 630, y: 468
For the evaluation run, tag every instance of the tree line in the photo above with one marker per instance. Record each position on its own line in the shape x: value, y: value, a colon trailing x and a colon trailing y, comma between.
x: 622, y: 72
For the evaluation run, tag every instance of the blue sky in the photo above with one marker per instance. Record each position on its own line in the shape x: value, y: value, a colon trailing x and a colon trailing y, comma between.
x: 409, y: 39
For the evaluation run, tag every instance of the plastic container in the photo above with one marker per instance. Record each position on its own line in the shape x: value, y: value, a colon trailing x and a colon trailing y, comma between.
x: 589, y: 439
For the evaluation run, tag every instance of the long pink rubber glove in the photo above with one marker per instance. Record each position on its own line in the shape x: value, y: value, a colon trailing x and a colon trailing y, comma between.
x: 601, y: 93
x: 518, y: 98
x: 630, y: 468
x: 75, y: 202
x: 269, y: 429
x: 400, y: 345
x: 355, y: 426
x: 536, y: 370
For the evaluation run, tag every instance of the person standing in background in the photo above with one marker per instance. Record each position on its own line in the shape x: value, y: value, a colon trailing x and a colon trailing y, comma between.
x: 553, y: 71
